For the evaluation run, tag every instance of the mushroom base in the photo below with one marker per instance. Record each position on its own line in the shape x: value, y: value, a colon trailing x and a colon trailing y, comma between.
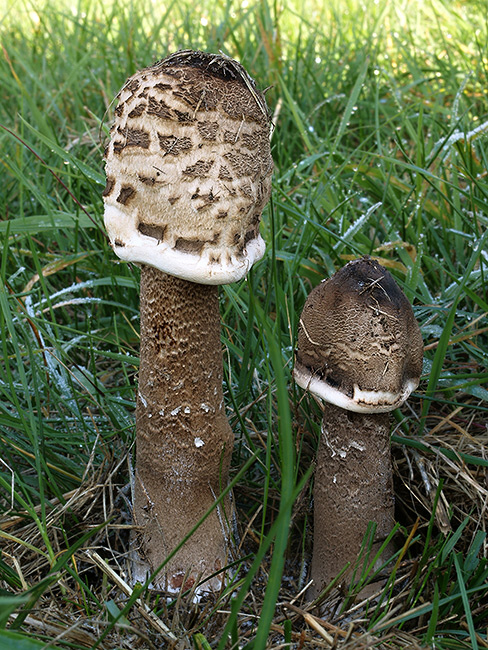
x: 353, y: 486
x: 184, y: 441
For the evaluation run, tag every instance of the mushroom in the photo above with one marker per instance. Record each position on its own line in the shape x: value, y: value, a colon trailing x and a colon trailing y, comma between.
x: 188, y: 172
x: 360, y: 350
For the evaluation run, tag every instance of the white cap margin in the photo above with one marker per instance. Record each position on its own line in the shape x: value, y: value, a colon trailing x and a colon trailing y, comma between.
x: 193, y: 267
x: 363, y: 401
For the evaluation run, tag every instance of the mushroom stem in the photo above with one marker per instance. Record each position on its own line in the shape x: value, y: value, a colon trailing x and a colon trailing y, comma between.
x: 184, y: 441
x: 355, y: 488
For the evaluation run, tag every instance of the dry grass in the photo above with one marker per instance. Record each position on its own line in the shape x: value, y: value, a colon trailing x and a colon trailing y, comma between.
x: 101, y: 565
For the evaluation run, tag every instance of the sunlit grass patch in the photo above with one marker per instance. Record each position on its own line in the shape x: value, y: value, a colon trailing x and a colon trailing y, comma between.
x: 379, y: 144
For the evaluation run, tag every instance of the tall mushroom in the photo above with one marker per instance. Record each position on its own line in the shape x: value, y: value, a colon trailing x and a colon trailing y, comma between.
x: 360, y: 350
x: 188, y: 174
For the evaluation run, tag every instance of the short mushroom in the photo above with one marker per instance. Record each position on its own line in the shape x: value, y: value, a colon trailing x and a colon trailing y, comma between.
x: 360, y: 350
x: 188, y: 172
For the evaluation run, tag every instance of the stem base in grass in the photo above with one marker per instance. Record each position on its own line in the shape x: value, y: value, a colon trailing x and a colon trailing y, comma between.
x: 184, y: 441
x: 353, y: 486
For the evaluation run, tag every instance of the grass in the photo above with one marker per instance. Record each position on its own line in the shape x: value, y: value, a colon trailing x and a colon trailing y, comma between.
x: 380, y: 148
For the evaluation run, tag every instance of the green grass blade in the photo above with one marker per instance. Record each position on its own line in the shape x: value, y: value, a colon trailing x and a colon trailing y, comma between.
x: 351, y: 105
x: 287, y: 458
x: 14, y: 641
x: 466, y: 605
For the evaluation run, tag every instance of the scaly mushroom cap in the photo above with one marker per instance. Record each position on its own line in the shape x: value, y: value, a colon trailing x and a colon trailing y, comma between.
x: 359, y: 345
x: 189, y: 168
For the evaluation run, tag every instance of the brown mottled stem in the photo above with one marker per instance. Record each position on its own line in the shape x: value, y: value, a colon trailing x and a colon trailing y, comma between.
x: 353, y: 487
x: 184, y: 441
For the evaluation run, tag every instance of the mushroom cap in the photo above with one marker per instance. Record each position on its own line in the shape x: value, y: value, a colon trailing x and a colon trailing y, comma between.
x: 359, y: 345
x: 189, y: 168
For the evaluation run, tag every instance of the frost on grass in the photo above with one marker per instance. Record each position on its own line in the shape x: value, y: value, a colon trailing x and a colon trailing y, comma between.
x: 462, y: 136
x: 357, y: 225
